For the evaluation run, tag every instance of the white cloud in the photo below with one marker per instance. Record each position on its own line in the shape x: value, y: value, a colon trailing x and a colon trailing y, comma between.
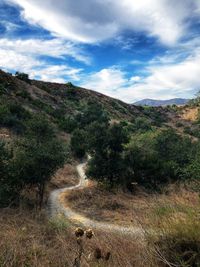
x: 56, y: 72
x: 176, y: 80
x: 162, y: 82
x: 11, y: 60
x: 135, y: 79
x: 56, y: 48
x: 24, y: 56
x: 93, y: 20
x: 106, y: 81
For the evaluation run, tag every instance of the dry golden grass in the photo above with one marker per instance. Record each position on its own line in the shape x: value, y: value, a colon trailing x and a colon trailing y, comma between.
x: 67, y: 176
x: 27, y: 240
x: 128, y: 209
x: 190, y: 114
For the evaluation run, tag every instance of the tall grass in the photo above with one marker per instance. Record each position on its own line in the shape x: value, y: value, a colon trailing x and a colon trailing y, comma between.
x: 177, y: 242
x: 32, y: 241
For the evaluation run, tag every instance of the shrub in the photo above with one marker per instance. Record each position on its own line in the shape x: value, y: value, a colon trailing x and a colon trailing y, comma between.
x: 2, y: 89
x: 13, y: 115
x: 106, y: 145
x: 179, y: 124
x: 158, y: 158
x: 24, y: 94
x: 6, y: 189
x: 38, y: 155
x: 46, y: 88
x: 22, y: 76
x: 38, y: 103
x: 93, y: 112
x: 142, y: 124
x: 71, y: 93
x: 68, y: 124
x: 78, y: 143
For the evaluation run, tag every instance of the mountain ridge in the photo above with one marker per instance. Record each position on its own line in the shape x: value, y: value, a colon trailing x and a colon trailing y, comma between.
x: 157, y: 103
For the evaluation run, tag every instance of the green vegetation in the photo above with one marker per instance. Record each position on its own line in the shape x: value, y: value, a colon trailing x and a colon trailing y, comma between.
x: 78, y: 143
x: 128, y: 146
x: 137, y: 149
x: 35, y: 157
x: 132, y: 152
x: 158, y: 157
x: 105, y: 145
x: 22, y: 76
x: 13, y: 115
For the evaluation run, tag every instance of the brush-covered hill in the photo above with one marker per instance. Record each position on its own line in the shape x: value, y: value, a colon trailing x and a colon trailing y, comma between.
x: 20, y: 96
x: 59, y: 102
x: 48, y: 96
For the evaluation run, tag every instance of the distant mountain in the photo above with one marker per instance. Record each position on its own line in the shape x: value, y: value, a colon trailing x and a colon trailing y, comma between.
x: 156, y: 103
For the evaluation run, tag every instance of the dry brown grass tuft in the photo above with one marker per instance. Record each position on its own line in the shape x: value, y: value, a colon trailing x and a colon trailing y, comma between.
x: 67, y: 176
x: 178, y: 243
x: 127, y: 209
x: 29, y: 240
x: 190, y: 114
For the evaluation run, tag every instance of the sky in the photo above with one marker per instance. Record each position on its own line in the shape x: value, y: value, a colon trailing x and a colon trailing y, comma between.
x: 127, y: 49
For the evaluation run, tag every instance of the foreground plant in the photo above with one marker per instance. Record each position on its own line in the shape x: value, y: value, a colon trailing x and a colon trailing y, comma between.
x: 98, y: 253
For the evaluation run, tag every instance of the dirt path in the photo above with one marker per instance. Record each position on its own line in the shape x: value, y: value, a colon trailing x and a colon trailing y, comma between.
x: 57, y: 206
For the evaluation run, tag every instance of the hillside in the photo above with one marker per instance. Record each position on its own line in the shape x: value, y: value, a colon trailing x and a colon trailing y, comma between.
x: 53, y: 98
x: 71, y: 157
x: 157, y: 103
x: 62, y: 104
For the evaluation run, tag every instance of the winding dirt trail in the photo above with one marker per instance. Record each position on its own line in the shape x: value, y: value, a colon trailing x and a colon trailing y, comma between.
x: 57, y: 205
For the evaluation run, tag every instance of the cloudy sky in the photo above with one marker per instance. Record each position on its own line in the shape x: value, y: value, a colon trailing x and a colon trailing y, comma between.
x: 128, y: 49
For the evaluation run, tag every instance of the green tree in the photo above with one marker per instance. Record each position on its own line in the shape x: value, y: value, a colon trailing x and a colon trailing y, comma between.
x: 22, y: 76
x: 192, y: 170
x: 38, y: 155
x: 91, y: 113
x: 157, y: 158
x: 79, y: 143
x: 106, y: 145
x: 6, y: 192
x: 68, y: 124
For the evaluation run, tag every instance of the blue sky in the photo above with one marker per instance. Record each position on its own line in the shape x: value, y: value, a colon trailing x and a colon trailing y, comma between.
x: 129, y: 49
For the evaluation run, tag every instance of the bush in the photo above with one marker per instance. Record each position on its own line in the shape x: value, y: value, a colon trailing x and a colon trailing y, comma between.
x: 10, y: 185
x: 142, y: 124
x: 106, y: 144
x: 38, y: 155
x: 38, y: 103
x: 46, y: 88
x: 79, y: 143
x: 179, y: 124
x: 93, y: 112
x: 193, y: 169
x: 2, y: 89
x: 68, y: 124
x: 24, y: 94
x: 22, y: 76
x: 159, y: 158
x: 13, y: 115
x: 71, y: 93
